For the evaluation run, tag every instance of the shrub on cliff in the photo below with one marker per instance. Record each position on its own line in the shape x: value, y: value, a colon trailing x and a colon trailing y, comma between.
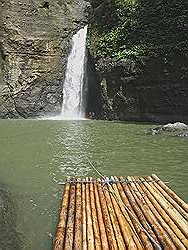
x: 140, y: 30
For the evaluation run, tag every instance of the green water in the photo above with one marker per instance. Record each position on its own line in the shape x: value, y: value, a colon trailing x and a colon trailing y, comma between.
x: 36, y: 156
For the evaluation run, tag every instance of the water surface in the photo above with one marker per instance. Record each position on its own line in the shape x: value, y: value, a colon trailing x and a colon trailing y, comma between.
x: 37, y: 155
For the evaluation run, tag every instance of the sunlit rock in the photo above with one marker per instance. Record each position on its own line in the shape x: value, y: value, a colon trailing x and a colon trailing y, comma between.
x: 34, y: 46
x: 177, y: 128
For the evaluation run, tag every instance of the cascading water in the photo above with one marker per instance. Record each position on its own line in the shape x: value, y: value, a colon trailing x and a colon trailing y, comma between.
x: 73, y: 86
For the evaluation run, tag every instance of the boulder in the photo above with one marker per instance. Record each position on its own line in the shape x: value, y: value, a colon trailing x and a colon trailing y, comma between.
x: 156, y: 130
x: 177, y: 128
x: 180, y: 126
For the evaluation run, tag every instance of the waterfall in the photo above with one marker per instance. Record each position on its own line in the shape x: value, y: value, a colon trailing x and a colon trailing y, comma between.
x: 72, y: 106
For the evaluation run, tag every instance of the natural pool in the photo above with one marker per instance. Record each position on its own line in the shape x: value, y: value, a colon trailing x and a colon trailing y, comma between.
x: 37, y: 155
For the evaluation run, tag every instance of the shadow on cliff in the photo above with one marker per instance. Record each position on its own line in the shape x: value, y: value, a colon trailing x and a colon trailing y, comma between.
x: 93, y: 92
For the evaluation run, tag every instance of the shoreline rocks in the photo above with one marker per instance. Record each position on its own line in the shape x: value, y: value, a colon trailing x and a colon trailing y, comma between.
x: 177, y: 129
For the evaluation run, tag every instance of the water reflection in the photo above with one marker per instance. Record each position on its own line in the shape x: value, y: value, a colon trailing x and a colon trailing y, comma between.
x: 71, y: 146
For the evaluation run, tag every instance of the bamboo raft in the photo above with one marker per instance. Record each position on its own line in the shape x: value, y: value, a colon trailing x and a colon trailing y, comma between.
x: 118, y: 213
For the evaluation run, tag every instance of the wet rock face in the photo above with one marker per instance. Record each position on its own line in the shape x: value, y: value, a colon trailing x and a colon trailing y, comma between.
x: 151, y: 95
x: 92, y: 90
x: 33, y: 53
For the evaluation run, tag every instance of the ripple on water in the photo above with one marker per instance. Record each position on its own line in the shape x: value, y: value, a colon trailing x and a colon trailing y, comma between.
x: 71, y: 147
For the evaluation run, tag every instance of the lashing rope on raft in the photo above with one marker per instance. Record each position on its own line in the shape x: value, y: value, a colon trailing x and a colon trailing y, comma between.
x: 108, y: 181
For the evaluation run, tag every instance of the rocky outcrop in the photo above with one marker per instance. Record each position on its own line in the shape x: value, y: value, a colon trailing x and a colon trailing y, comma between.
x: 158, y: 94
x: 34, y: 46
x: 175, y: 129
x: 141, y: 54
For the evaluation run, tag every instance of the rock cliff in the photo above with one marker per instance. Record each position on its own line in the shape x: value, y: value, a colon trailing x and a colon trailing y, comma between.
x: 141, y: 55
x: 137, y: 66
x: 158, y: 94
x: 35, y: 42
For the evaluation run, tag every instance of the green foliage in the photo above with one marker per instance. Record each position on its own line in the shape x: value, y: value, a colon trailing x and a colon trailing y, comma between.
x: 139, y: 29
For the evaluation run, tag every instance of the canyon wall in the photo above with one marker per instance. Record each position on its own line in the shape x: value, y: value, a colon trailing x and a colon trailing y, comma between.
x: 138, y: 57
x: 34, y: 46
x: 140, y: 52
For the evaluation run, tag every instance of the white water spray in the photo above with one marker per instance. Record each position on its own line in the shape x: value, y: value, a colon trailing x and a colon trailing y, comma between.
x: 73, y: 86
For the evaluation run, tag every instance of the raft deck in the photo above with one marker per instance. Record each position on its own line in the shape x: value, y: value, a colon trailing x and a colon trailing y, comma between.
x: 121, y: 213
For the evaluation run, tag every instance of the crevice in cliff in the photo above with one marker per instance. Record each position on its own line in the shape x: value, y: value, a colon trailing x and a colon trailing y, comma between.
x: 30, y: 54
x: 20, y: 113
x: 46, y: 5
x: 2, y: 53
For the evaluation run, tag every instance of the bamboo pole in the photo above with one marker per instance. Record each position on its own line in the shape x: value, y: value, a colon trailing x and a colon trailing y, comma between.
x: 156, y: 190
x: 131, y: 237
x: 170, y: 235
x: 90, y: 233
x: 171, y: 193
x: 177, y: 218
x: 167, y: 218
x: 171, y: 201
x: 104, y: 240
x: 109, y: 229
x: 70, y: 221
x: 164, y: 219
x: 61, y: 228
x: 78, y: 241
x: 145, y: 240
x: 94, y: 218
x: 84, y: 217
x: 141, y: 215
x: 114, y: 219
x: 149, y: 215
